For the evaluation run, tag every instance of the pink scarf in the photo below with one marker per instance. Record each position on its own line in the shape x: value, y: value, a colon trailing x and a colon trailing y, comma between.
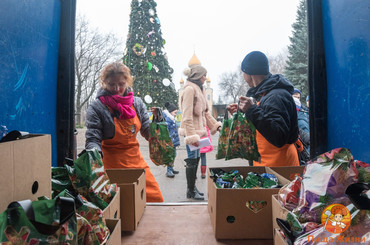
x: 122, y: 104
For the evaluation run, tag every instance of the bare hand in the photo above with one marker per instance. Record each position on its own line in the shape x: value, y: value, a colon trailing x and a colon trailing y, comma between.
x: 196, y: 144
x: 232, y: 108
x: 245, y: 103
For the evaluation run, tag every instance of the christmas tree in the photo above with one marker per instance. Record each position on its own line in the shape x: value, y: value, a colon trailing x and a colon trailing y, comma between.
x: 145, y: 56
x: 297, y: 64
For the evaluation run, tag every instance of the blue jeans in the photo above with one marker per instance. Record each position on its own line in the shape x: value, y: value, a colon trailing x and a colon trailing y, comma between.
x: 203, y: 159
x: 192, y: 154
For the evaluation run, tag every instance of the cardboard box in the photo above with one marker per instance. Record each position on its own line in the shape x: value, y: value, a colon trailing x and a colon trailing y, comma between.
x: 132, y: 185
x: 278, y: 238
x: 288, y: 172
x: 114, y: 226
x: 25, y: 169
x: 113, y: 209
x: 278, y: 211
x: 231, y: 218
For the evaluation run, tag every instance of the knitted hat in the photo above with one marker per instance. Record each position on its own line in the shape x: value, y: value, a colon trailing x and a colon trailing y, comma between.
x: 255, y: 63
x: 195, y: 73
x: 297, y: 91
x: 170, y: 107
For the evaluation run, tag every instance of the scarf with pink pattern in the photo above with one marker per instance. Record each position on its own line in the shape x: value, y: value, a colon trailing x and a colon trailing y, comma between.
x: 122, y: 104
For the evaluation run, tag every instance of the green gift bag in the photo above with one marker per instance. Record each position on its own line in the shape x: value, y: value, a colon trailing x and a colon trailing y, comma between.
x: 242, y: 139
x: 39, y: 222
x: 223, y: 139
x: 89, y: 178
x: 161, y: 148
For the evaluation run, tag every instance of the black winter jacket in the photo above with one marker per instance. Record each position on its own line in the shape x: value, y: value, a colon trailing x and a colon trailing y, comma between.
x: 276, y: 115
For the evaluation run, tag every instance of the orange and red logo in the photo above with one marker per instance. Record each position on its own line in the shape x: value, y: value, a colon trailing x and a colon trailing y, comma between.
x: 336, y: 218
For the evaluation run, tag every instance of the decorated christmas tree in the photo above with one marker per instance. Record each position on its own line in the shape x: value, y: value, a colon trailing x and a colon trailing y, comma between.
x: 145, y: 56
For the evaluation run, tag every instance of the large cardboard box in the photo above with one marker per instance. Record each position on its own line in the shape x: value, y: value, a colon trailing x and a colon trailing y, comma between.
x: 133, y: 195
x: 288, y: 172
x: 230, y: 216
x: 25, y: 169
x: 278, y: 211
x: 113, y: 209
x: 278, y: 238
x: 114, y: 226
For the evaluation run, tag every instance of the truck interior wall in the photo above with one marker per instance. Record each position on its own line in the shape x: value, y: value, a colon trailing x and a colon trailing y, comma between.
x: 346, y: 26
x: 37, y: 70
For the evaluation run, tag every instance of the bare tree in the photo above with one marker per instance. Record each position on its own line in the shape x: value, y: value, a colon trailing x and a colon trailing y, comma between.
x: 277, y: 63
x: 93, y: 50
x: 232, y: 86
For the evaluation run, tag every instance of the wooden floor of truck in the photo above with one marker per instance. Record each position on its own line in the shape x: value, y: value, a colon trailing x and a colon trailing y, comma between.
x: 178, y: 224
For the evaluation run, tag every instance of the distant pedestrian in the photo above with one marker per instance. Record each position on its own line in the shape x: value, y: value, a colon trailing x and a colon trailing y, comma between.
x: 169, y: 115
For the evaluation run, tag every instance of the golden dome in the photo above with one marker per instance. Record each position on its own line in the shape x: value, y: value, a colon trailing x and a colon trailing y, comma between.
x: 182, y: 80
x: 194, y: 61
x: 208, y: 80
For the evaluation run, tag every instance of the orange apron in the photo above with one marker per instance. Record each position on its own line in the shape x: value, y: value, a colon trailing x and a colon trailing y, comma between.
x: 272, y: 156
x: 122, y: 151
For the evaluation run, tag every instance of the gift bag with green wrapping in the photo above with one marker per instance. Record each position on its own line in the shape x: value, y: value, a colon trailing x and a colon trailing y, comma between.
x: 242, y: 139
x: 39, y: 222
x: 223, y: 139
x: 161, y: 147
x: 90, y: 179
x: 60, y: 180
x: 93, y: 215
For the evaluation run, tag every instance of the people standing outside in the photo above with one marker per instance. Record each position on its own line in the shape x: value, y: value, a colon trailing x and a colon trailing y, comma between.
x: 113, y: 120
x: 169, y: 115
x: 269, y: 105
x: 203, y: 157
x: 195, y: 118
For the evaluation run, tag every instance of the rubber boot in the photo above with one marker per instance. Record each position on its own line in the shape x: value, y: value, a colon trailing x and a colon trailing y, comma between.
x: 190, y: 178
x: 203, y: 170
x: 169, y: 173
x: 196, y: 189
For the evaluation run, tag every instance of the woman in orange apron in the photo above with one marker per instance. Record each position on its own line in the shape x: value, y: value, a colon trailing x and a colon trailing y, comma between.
x: 113, y: 120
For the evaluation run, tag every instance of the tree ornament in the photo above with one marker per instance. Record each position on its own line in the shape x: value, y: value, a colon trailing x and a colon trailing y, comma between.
x: 150, y: 33
x: 163, y: 42
x: 155, y: 68
x: 166, y: 82
x: 151, y: 20
x: 138, y: 49
x: 157, y: 20
x: 150, y: 66
x: 148, y: 99
x: 151, y: 12
x: 155, y: 81
x: 153, y: 53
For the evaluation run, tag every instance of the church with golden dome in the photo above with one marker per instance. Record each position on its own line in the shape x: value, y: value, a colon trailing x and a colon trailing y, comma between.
x: 207, y: 87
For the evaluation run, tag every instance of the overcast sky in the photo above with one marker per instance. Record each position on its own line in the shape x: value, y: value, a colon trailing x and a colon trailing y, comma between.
x: 220, y: 32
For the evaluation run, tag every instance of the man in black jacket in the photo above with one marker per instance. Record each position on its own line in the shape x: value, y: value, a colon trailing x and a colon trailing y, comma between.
x: 270, y: 107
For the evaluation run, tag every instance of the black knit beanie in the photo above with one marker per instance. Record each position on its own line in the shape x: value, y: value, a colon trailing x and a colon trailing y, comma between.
x: 255, y: 63
x: 170, y: 107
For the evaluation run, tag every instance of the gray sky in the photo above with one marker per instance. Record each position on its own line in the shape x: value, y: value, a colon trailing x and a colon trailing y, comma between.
x: 220, y: 32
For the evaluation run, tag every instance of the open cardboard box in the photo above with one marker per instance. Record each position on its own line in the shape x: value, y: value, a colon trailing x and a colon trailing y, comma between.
x: 132, y: 186
x: 278, y: 211
x: 278, y: 238
x: 230, y: 216
x: 113, y: 209
x: 114, y: 226
x: 25, y: 169
x: 288, y: 172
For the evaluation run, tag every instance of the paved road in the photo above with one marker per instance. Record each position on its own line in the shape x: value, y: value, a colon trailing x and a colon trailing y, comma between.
x: 174, y: 189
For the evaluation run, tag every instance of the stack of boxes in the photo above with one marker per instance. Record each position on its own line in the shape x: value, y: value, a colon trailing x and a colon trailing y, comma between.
x: 26, y: 174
